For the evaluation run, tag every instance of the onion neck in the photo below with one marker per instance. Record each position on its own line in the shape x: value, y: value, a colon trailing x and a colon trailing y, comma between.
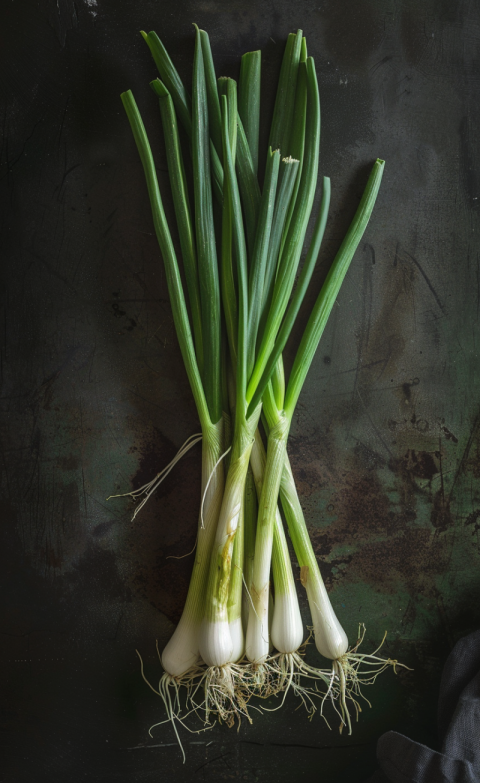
x: 330, y: 638
x: 257, y: 638
x: 215, y: 639
x: 182, y: 651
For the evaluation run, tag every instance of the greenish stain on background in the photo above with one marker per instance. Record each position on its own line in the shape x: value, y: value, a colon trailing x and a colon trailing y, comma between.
x: 386, y: 442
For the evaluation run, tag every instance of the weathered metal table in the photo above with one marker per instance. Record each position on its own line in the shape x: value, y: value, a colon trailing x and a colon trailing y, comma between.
x: 385, y: 446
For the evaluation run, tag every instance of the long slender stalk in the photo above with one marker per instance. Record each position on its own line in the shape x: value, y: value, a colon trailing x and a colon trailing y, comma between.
x: 296, y: 234
x: 259, y: 255
x: 249, y: 101
x: 205, y: 233
x: 298, y: 296
x: 279, y: 425
x: 183, y: 649
x: 227, y: 276
x: 177, y: 299
x: 297, y: 141
x: 182, y: 102
x: 289, y: 171
x: 285, y: 626
x: 330, y: 637
x: 248, y: 185
x: 213, y: 102
x: 228, y: 87
x: 216, y: 644
x: 182, y: 652
x: 331, y: 287
x: 181, y: 203
x: 284, y: 103
x: 231, y: 192
x: 256, y: 644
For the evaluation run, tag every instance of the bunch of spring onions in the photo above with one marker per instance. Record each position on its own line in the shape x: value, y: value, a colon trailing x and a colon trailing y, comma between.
x: 234, y: 305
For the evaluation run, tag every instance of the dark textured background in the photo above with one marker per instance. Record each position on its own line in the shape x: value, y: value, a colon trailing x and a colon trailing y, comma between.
x: 385, y: 445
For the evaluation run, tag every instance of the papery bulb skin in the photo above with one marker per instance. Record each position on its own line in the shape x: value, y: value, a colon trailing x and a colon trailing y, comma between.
x: 181, y: 652
x: 215, y: 642
x: 287, y: 626
x: 330, y: 639
x: 238, y: 639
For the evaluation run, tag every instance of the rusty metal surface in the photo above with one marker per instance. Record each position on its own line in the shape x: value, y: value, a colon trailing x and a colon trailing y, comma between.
x: 386, y: 442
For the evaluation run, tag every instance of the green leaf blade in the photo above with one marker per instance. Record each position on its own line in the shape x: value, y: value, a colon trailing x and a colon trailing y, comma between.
x: 329, y: 292
x: 181, y: 204
x: 174, y: 281
x: 249, y: 101
x: 205, y: 238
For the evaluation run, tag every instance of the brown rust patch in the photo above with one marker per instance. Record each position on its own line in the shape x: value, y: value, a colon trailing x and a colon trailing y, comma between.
x: 473, y: 519
x: 363, y: 510
x: 386, y: 546
x: 441, y: 517
x: 412, y: 559
x: 421, y: 464
x: 304, y: 575
x: 472, y: 461
x: 311, y: 462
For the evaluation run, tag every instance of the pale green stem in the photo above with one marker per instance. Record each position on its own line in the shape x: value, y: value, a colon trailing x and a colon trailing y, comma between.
x: 213, y: 475
x: 221, y: 560
x: 182, y: 651
x: 257, y: 631
x: 250, y: 511
x: 236, y: 577
x: 281, y: 565
x: 330, y: 637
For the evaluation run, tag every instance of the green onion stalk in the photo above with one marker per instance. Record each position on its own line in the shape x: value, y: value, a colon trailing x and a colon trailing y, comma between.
x: 279, y: 670
x: 223, y: 601
x: 218, y: 648
x: 330, y: 638
x: 257, y: 640
x: 250, y: 511
x: 200, y: 352
x: 272, y: 332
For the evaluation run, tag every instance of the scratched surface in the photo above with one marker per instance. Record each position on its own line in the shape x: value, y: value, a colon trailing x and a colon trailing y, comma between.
x: 386, y: 441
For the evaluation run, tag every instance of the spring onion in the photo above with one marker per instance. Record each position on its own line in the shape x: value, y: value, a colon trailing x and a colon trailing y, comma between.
x: 236, y: 639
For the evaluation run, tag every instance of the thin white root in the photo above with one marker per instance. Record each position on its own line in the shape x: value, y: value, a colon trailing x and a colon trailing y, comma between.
x: 224, y: 693
x: 149, y: 488
x: 290, y: 669
x: 218, y: 692
x: 354, y: 670
x: 172, y: 703
x: 227, y: 690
